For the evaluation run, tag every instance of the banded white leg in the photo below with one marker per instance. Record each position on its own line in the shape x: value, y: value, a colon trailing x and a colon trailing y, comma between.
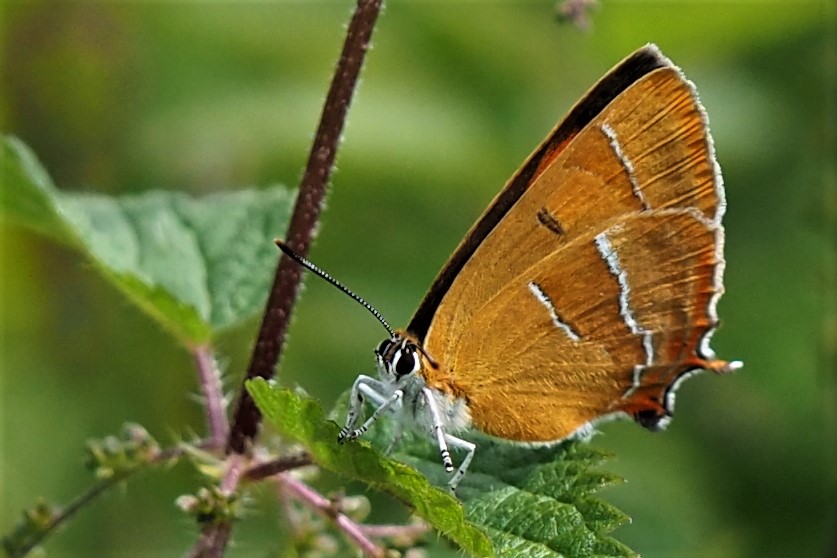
x: 438, y: 429
x: 385, y: 406
x: 444, y: 439
x: 469, y: 447
x: 364, y: 385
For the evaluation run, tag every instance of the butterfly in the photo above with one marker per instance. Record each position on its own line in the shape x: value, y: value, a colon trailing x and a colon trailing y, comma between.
x: 587, y: 290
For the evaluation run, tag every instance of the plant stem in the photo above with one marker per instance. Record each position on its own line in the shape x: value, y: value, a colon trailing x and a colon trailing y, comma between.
x: 213, y: 541
x: 213, y: 396
x: 276, y: 466
x: 283, y: 293
x: 92, y: 493
x: 325, y: 507
x: 235, y: 468
x: 309, y: 203
x: 214, y: 537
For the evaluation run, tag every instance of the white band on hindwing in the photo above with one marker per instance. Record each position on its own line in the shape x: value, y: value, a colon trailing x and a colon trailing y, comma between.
x: 611, y: 258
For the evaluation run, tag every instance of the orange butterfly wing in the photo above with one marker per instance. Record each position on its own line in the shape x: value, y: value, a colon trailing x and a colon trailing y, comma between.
x: 594, y: 292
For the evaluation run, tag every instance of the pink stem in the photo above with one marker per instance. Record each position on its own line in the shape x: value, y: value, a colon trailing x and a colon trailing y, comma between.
x: 213, y: 396
x: 324, y: 507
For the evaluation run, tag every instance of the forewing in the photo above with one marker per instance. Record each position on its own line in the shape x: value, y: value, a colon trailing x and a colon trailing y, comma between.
x: 649, y: 149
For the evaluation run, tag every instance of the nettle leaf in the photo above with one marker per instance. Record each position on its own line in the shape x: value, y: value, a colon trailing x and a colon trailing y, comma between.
x: 530, y: 501
x: 303, y: 420
x: 197, y: 265
x: 27, y: 194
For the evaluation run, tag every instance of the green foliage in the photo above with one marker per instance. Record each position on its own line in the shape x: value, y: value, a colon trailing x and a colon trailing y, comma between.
x: 113, y: 459
x: 196, y: 265
x: 130, y: 95
x: 529, y: 501
x: 532, y: 501
x: 303, y: 420
x: 30, y: 529
x: 201, y: 265
x: 28, y: 195
x: 112, y: 456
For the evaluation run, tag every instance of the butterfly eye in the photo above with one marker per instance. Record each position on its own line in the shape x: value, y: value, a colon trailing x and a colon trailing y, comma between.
x: 405, y: 362
x: 383, y: 347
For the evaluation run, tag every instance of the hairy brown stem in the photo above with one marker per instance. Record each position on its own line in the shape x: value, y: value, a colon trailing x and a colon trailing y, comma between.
x: 312, y: 190
x: 276, y: 466
x: 309, y: 203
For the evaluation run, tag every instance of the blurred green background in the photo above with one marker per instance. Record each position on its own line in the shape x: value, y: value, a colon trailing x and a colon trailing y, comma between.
x: 127, y: 97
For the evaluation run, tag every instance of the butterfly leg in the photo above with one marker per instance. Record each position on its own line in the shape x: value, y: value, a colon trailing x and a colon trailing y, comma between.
x: 385, y: 406
x: 469, y: 447
x: 438, y: 429
x: 363, y: 386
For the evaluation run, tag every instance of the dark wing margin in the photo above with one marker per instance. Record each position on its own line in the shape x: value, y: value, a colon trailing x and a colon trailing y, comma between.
x: 628, y: 72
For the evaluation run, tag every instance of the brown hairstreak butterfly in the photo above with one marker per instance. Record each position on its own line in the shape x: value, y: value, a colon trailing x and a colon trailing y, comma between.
x: 586, y: 291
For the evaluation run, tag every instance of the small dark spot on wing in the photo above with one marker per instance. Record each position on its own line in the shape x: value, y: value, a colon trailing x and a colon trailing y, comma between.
x: 549, y: 221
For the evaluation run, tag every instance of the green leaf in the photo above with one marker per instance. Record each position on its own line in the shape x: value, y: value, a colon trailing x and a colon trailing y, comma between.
x: 303, y: 420
x: 540, y: 502
x: 27, y: 196
x: 531, y: 501
x: 197, y: 265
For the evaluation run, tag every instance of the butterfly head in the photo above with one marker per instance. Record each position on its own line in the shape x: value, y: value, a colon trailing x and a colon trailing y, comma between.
x: 401, y: 355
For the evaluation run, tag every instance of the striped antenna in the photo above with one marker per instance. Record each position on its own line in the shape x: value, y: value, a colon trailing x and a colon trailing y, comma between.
x: 317, y: 271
